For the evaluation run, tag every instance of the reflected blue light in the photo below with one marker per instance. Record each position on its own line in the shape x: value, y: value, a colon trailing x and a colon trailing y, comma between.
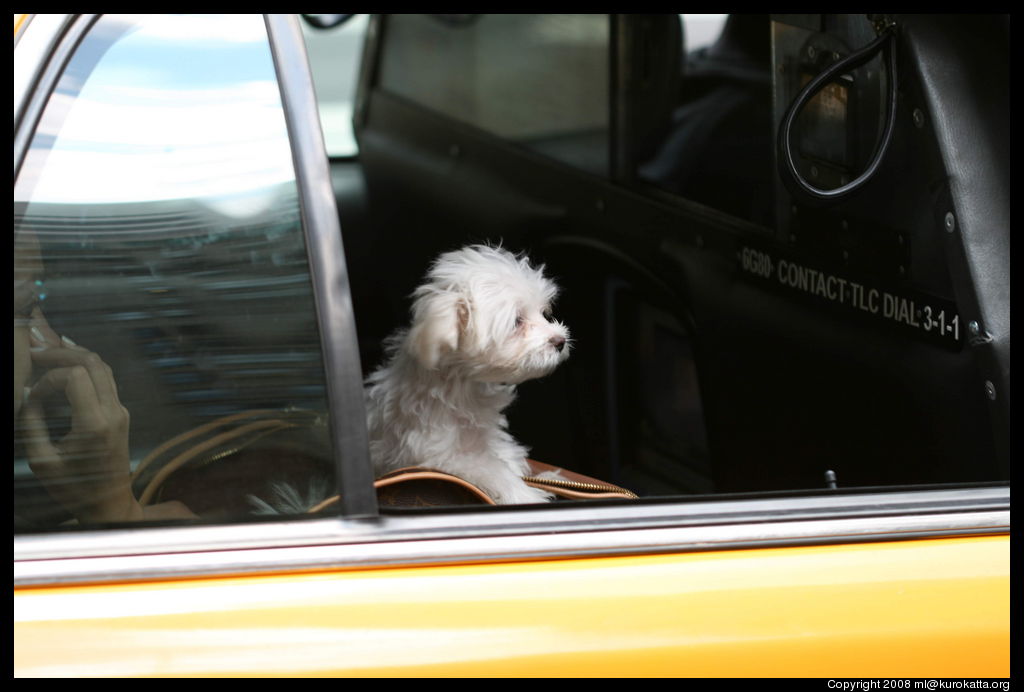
x: 178, y: 107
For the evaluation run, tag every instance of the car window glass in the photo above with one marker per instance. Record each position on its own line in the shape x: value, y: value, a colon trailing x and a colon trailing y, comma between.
x: 711, y: 142
x: 334, y: 59
x: 540, y: 80
x: 167, y: 358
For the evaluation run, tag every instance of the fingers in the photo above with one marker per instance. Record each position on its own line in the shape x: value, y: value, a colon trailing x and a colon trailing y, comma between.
x: 88, y: 474
x: 70, y: 355
x: 42, y: 334
x: 40, y: 449
x: 76, y: 385
x: 86, y: 470
x: 79, y: 377
x: 98, y: 439
x: 44, y: 457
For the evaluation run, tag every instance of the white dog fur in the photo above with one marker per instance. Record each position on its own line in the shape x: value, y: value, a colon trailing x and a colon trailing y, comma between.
x: 480, y: 326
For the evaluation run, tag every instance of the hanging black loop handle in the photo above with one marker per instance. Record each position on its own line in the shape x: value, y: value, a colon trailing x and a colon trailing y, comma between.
x: 886, y: 42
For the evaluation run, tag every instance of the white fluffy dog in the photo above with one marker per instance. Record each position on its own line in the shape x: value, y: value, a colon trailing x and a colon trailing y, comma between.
x: 480, y: 325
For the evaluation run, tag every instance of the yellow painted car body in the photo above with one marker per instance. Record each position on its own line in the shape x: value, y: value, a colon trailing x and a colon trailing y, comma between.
x: 928, y: 608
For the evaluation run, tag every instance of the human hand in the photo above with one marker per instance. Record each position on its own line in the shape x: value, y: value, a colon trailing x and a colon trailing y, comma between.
x: 88, y: 469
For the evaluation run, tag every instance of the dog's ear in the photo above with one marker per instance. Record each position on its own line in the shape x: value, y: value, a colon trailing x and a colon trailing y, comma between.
x: 439, y: 318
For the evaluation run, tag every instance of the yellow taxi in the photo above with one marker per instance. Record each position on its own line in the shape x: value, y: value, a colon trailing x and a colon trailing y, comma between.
x: 783, y: 248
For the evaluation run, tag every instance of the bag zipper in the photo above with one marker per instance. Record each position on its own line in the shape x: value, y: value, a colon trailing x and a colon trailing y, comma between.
x: 576, y: 485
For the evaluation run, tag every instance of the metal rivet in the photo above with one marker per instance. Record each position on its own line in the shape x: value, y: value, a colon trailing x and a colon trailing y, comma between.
x: 835, y: 55
x: 845, y: 224
x: 918, y: 118
x: 990, y: 390
x: 846, y: 255
x: 974, y: 328
x: 814, y: 171
x: 950, y: 222
x: 811, y: 52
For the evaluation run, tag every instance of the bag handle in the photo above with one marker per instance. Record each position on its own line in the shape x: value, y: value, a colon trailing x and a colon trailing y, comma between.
x: 274, y: 420
x: 885, y: 42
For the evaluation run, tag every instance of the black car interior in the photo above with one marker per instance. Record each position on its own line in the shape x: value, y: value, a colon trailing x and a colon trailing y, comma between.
x: 731, y: 333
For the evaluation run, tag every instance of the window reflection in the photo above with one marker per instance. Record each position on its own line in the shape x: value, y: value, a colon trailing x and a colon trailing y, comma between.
x: 539, y: 80
x: 334, y: 60
x: 159, y: 198
x: 714, y: 143
x: 149, y: 124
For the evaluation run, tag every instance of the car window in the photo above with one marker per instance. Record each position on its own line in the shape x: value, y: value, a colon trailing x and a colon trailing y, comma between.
x: 710, y: 141
x: 539, y: 80
x: 728, y: 336
x: 166, y: 343
x: 693, y: 116
x: 334, y: 57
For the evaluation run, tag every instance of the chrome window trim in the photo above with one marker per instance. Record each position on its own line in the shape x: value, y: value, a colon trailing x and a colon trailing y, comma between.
x: 19, y: 32
x: 33, y: 46
x: 328, y: 271
x: 367, y: 70
x: 42, y: 50
x: 575, y: 531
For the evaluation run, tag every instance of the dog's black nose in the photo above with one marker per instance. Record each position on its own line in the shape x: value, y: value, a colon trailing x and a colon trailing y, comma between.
x: 558, y: 342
